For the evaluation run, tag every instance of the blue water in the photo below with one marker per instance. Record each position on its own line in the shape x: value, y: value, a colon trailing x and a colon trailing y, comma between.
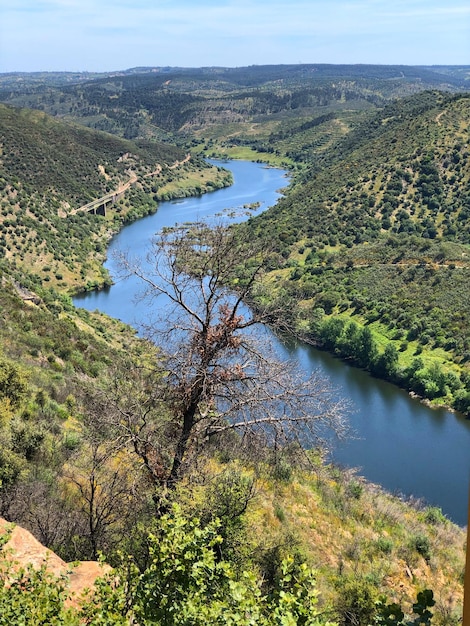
x: 399, y: 443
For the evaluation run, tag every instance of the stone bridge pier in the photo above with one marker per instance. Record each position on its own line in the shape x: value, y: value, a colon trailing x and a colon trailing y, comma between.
x: 100, y: 208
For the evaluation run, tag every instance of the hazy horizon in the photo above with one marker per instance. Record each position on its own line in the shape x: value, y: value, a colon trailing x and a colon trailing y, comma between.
x: 195, y: 67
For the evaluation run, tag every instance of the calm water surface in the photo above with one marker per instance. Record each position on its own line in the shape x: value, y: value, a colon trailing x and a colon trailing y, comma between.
x: 399, y: 443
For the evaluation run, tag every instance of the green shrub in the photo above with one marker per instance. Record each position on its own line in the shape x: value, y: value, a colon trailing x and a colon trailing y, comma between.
x: 356, y: 601
x: 33, y: 597
x: 185, y: 584
x: 422, y: 545
x: 355, y: 489
x: 434, y: 515
x: 385, y: 545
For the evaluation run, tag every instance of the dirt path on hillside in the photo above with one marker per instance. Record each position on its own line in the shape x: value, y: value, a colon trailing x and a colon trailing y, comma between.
x: 438, y: 117
x: 133, y: 178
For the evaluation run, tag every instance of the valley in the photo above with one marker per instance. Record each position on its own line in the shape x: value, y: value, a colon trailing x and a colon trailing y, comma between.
x: 364, y: 256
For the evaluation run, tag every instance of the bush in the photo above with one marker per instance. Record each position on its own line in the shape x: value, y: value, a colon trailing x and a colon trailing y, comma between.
x: 462, y: 401
x: 422, y: 545
x: 434, y: 515
x: 31, y: 596
x: 185, y: 584
x: 356, y: 602
x: 385, y: 545
x: 355, y: 489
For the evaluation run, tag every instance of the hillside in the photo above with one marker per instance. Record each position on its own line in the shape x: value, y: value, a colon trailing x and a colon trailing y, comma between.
x: 164, y: 102
x: 50, y: 169
x: 375, y: 233
x: 78, y: 490
x: 354, y: 537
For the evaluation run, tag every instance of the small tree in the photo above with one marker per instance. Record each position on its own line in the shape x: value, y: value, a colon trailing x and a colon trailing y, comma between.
x: 99, y: 482
x: 386, y: 364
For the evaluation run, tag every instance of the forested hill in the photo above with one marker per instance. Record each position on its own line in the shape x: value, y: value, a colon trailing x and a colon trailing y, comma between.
x: 158, y: 101
x: 68, y: 161
x: 412, y: 157
x: 51, y: 168
x: 376, y: 234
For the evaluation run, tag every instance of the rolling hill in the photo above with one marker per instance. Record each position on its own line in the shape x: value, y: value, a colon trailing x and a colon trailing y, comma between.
x: 52, y: 168
x: 376, y: 233
x: 369, y: 260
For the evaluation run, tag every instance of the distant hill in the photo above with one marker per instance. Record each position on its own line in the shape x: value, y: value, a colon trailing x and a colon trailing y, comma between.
x: 156, y: 101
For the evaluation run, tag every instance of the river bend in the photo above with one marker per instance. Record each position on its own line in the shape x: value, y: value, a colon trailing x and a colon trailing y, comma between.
x: 399, y: 443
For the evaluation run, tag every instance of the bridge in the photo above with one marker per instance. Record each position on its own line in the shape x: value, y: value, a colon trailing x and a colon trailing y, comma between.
x: 99, y: 206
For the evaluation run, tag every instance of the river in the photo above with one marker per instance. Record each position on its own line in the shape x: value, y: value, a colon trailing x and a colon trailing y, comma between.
x: 399, y: 443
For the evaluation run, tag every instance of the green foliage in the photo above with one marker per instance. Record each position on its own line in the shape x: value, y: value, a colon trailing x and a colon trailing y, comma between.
x: 29, y: 596
x: 355, y: 489
x: 356, y: 601
x: 12, y: 465
x: 388, y: 174
x: 382, y: 182
x: 41, y: 203
x: 387, y: 363
x: 331, y: 331
x: 227, y: 499
x: 392, y: 614
x: 462, y: 401
x: 13, y: 383
x: 375, y: 228
x: 434, y: 515
x: 186, y: 584
x: 422, y: 545
x: 69, y: 154
x: 16, y: 437
x: 385, y: 545
x: 355, y: 343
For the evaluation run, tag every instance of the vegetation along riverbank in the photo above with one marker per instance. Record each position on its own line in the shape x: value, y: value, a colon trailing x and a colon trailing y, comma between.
x: 368, y: 256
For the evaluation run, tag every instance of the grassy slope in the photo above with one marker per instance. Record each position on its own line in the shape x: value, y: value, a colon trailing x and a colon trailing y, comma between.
x: 351, y: 529
x: 51, y: 168
x: 346, y: 528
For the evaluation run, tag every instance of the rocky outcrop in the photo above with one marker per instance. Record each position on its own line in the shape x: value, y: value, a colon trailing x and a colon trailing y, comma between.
x: 21, y: 548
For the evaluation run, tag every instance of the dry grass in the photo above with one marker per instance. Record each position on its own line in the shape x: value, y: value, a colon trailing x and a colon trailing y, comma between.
x: 347, y: 527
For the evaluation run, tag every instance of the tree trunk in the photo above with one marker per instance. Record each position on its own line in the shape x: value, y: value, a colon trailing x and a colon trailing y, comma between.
x: 182, y: 445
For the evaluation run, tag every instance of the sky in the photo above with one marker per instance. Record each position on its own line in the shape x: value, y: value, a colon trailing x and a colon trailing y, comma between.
x: 109, y: 35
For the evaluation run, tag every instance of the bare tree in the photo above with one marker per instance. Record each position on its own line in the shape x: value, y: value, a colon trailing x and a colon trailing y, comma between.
x: 101, y: 486
x: 215, y: 374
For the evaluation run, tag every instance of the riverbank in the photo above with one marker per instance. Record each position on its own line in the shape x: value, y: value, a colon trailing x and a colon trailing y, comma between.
x: 394, y: 371
x: 140, y: 203
x: 395, y: 438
